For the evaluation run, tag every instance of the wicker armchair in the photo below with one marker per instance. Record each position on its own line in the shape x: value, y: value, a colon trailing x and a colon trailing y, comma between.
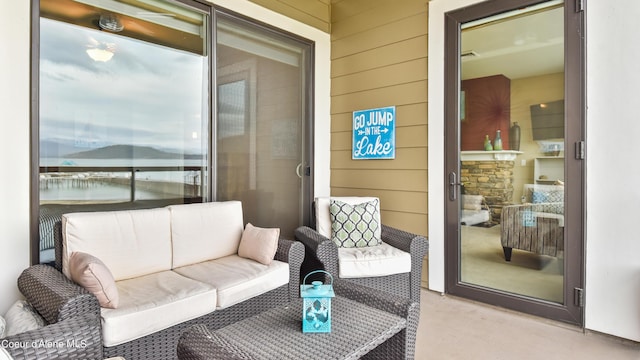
x: 322, y: 253
x: 200, y: 343
x: 72, y: 315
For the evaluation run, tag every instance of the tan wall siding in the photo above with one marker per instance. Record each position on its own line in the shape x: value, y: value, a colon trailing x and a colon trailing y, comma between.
x: 379, y: 58
x: 314, y: 13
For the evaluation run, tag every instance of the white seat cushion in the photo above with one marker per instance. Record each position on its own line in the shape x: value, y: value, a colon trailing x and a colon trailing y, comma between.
x: 155, y: 302
x: 130, y: 243
x: 236, y: 278
x: 323, y: 217
x: 473, y: 217
x: 206, y: 231
x: 380, y: 260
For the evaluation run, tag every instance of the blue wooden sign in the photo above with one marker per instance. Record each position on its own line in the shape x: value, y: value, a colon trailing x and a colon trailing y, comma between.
x: 374, y: 133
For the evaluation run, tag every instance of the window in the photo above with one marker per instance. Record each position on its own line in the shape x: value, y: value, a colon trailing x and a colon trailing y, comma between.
x: 130, y: 114
x: 124, y: 107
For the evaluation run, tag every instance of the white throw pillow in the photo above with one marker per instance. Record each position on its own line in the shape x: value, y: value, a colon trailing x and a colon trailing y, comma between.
x: 4, y: 354
x: 3, y: 326
x: 259, y: 244
x: 92, y: 274
x: 22, y: 317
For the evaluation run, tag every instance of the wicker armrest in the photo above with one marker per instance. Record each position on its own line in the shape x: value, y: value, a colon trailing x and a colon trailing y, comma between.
x: 318, y: 248
x: 54, y: 296
x: 397, y: 305
x: 77, y: 337
x: 402, y: 345
x: 416, y: 245
x: 291, y: 252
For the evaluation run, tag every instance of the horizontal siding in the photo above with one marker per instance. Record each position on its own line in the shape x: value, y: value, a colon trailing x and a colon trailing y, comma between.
x: 315, y: 13
x: 395, y: 53
x: 391, y: 201
x: 363, y: 16
x: 391, y: 75
x: 411, y: 27
x: 402, y: 94
x: 411, y: 222
x: 379, y: 58
x: 383, y: 179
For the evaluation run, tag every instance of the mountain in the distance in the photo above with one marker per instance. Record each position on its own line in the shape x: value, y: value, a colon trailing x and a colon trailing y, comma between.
x: 55, y: 148
x: 129, y: 152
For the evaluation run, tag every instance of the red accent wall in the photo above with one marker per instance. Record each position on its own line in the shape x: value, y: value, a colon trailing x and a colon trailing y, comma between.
x: 487, y: 109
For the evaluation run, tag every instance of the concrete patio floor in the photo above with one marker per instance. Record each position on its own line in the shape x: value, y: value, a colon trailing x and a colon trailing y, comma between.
x: 452, y: 328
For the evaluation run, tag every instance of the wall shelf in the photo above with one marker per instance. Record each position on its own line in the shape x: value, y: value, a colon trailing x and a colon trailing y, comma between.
x: 550, y: 167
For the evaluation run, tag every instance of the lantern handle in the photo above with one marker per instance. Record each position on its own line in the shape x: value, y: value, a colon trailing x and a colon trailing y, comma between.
x: 304, y: 281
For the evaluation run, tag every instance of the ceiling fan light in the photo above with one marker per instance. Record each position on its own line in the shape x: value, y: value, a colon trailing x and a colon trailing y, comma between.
x: 102, y: 55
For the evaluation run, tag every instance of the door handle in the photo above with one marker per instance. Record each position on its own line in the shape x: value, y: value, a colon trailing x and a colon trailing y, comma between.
x: 298, y: 168
x: 453, y: 184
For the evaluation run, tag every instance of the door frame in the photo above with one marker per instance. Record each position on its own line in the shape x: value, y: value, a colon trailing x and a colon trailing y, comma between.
x: 572, y: 311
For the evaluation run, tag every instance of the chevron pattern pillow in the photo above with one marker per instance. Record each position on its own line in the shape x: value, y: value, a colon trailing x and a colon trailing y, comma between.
x: 354, y: 225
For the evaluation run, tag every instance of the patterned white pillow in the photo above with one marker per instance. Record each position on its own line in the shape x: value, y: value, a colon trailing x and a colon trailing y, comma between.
x: 354, y: 225
x: 22, y: 317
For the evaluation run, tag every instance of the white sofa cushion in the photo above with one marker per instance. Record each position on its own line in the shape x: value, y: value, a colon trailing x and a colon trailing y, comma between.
x: 236, y: 278
x: 473, y: 217
x: 155, y: 302
x: 380, y: 260
x: 130, y: 243
x: 323, y: 216
x: 206, y: 231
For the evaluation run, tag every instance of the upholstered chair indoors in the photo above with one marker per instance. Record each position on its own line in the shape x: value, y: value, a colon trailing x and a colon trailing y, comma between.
x: 537, y: 225
x: 350, y: 242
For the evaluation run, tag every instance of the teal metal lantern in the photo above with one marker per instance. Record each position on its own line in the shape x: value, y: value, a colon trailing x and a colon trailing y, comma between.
x: 316, y: 305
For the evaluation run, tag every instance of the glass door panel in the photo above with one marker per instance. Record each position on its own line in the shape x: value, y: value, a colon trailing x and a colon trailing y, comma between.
x: 511, y: 137
x: 262, y: 80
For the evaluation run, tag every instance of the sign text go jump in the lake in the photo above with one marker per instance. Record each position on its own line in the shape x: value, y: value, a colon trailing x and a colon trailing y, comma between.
x: 374, y: 133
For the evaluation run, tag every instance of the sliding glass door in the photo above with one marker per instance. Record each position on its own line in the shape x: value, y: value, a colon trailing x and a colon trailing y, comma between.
x: 262, y: 91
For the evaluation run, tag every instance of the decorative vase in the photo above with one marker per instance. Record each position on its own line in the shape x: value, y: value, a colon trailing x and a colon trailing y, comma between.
x: 487, y: 143
x: 497, y: 143
x: 514, y: 137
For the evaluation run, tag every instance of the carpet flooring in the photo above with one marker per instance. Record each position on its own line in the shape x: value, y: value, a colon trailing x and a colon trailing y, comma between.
x: 482, y: 263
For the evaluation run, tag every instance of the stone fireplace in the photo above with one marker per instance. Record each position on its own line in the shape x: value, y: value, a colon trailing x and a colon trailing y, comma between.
x: 490, y: 174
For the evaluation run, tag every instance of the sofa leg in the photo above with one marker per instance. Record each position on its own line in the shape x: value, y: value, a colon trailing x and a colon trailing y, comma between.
x: 507, y: 253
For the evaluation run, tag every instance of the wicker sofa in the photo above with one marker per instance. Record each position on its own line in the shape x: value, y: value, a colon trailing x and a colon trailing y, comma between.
x: 321, y: 252
x: 200, y: 281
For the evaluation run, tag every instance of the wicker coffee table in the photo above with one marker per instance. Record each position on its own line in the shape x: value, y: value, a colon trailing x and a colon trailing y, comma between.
x: 274, y: 334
